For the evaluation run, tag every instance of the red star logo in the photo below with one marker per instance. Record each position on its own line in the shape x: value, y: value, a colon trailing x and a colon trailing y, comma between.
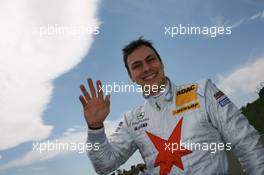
x: 167, y: 157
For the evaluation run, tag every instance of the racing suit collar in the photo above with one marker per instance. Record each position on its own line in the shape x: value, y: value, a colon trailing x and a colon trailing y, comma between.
x: 160, y: 100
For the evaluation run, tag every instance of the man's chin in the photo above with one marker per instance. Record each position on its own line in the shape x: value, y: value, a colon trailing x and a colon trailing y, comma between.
x: 149, y: 84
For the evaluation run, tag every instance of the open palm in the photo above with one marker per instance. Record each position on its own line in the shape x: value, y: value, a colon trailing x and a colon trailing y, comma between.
x: 96, y: 108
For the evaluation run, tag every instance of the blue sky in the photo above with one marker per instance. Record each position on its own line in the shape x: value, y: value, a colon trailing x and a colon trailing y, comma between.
x: 40, y: 75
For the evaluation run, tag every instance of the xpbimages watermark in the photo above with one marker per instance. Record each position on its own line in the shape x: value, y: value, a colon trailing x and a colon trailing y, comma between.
x: 58, y: 146
x: 212, y: 31
x: 63, y: 30
x: 131, y: 88
x: 212, y: 147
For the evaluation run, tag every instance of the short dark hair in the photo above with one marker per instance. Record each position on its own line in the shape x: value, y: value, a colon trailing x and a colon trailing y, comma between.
x: 133, y: 45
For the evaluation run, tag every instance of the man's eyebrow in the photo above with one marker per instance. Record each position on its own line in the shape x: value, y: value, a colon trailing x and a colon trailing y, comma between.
x: 137, y: 62
x: 150, y: 55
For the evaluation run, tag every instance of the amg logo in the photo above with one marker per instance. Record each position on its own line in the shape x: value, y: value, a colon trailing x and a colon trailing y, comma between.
x: 142, y: 125
x: 186, y: 90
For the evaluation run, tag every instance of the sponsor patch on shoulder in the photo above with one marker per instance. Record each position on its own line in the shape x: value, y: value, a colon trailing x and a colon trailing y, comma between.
x: 224, y: 101
x: 218, y: 95
x: 221, y: 98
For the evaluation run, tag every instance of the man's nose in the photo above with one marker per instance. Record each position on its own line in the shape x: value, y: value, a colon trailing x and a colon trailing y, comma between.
x: 146, y: 67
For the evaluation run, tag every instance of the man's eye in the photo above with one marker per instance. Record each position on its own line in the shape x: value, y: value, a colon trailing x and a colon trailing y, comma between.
x: 135, y: 66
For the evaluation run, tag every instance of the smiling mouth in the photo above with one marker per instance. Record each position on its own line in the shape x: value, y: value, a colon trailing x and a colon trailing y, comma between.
x: 150, y: 76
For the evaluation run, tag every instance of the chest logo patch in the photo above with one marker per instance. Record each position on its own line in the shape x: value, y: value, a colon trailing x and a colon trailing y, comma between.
x: 186, y: 95
x: 166, y: 158
x: 195, y: 105
x: 186, y: 99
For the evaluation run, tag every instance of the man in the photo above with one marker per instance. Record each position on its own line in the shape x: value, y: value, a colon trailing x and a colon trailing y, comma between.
x: 178, y: 130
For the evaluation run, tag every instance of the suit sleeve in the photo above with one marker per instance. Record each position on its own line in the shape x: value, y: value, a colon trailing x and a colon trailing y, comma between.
x: 112, y: 151
x: 234, y: 128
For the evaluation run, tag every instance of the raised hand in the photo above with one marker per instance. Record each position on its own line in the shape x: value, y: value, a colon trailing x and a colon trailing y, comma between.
x: 95, y: 108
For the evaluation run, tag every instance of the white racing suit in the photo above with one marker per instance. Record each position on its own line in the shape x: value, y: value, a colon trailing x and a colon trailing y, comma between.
x: 186, y: 130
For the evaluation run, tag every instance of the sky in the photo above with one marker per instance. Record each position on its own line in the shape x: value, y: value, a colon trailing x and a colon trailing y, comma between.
x: 48, y: 48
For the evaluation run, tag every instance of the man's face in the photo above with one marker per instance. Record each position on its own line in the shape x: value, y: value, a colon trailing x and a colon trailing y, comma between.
x: 145, y: 67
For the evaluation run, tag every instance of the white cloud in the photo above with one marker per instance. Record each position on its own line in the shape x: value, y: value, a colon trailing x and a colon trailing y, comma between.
x: 243, y: 81
x: 218, y: 21
x: 34, y: 170
x: 256, y: 16
x: 34, y: 156
x: 238, y: 23
x: 246, y: 78
x: 29, y: 62
x: 77, y: 136
x: 69, y: 131
x: 259, y: 15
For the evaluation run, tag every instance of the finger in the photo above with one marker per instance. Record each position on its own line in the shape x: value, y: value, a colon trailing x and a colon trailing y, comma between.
x: 99, y: 90
x: 91, y: 86
x: 83, y: 101
x: 85, y: 93
x: 107, y: 100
